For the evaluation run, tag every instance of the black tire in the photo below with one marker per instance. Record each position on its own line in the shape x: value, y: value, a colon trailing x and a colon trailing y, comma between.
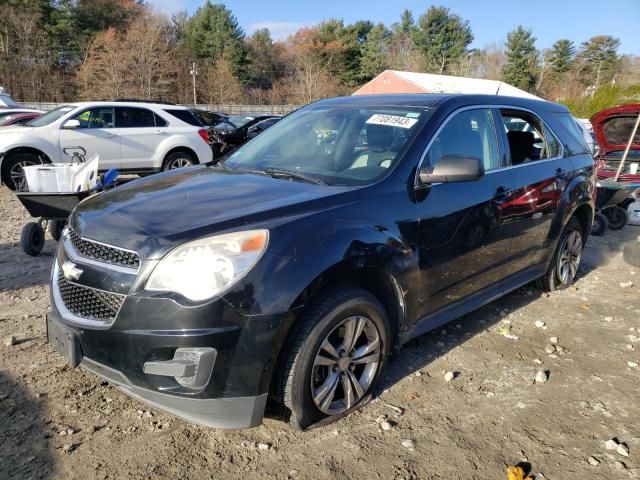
x: 293, y: 382
x: 12, y: 166
x: 631, y: 253
x: 555, y: 278
x: 600, y: 225
x: 55, y: 228
x: 617, y: 217
x: 32, y: 238
x: 178, y: 160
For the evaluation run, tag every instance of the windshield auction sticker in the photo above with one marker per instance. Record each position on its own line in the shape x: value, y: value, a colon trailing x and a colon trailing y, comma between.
x: 392, y: 121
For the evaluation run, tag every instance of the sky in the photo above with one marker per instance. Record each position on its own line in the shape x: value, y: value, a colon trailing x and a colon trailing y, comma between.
x: 490, y: 20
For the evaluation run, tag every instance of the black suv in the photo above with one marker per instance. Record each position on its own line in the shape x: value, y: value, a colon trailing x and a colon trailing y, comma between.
x: 294, y: 268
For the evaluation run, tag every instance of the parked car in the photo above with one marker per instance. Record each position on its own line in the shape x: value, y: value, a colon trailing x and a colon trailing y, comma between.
x: 295, y: 267
x: 261, y: 126
x: 234, y: 131
x: 612, y: 128
x: 19, y: 118
x: 6, y: 100
x: 133, y: 137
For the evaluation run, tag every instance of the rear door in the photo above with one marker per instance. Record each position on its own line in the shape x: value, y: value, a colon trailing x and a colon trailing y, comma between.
x: 463, y: 247
x: 141, y: 132
x: 540, y: 173
x: 97, y: 134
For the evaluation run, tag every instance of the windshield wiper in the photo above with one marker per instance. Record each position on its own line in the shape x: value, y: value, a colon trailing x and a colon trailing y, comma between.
x: 276, y: 172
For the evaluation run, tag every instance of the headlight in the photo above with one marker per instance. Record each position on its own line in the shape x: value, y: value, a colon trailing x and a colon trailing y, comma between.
x: 204, y: 268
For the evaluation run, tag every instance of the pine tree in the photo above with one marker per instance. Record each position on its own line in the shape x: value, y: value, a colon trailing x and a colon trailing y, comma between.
x: 561, y: 55
x: 520, y: 68
x: 443, y: 38
x: 214, y: 33
x: 600, y: 59
x: 374, y: 52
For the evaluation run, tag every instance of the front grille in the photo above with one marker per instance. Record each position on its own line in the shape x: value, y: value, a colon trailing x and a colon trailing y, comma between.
x: 103, y: 253
x: 87, y: 302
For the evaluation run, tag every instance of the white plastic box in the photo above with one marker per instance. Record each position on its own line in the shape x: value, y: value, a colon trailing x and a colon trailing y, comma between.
x: 62, y: 177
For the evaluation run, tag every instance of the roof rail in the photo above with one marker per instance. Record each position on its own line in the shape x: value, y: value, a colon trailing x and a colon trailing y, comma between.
x: 138, y: 100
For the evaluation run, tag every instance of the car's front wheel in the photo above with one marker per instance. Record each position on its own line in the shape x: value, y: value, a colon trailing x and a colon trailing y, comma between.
x: 566, y: 260
x: 334, y: 357
x: 13, y: 175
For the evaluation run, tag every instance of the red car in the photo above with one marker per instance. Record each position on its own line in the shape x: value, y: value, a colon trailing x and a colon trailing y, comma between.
x: 8, y: 119
x: 612, y: 128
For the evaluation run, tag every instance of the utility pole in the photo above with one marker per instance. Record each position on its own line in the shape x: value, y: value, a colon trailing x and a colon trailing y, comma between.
x: 194, y: 73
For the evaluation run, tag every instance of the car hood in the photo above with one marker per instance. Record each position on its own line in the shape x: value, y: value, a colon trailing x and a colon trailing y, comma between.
x: 15, y: 130
x: 155, y: 214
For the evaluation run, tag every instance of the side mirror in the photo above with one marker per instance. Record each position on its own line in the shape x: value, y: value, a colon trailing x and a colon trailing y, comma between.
x: 71, y: 124
x: 453, y: 168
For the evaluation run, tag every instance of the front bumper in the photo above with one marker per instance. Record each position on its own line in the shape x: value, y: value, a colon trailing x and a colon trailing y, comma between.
x: 236, y: 394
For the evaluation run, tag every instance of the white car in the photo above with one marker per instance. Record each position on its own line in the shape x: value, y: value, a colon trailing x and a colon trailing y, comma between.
x: 133, y: 137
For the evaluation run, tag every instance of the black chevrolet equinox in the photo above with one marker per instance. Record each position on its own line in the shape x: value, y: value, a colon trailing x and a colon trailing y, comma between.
x: 294, y: 267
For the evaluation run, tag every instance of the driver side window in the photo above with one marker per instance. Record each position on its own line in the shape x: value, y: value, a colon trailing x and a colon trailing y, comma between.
x: 102, y: 117
x: 470, y: 133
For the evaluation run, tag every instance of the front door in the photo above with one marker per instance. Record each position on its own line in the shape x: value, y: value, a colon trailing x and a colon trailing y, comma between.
x: 96, y: 134
x: 463, y: 247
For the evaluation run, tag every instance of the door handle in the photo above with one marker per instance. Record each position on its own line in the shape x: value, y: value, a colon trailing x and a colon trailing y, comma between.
x: 501, y: 194
x: 110, y: 135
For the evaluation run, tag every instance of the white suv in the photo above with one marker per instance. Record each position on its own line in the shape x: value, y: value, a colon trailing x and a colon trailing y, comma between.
x: 133, y: 137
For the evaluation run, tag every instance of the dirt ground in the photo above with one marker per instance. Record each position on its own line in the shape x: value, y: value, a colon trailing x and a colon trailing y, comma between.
x: 58, y: 422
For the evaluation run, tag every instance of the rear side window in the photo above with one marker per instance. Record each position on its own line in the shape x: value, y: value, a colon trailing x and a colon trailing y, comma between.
x: 470, y: 133
x: 575, y: 137
x: 185, y: 115
x: 130, y: 117
x: 528, y: 137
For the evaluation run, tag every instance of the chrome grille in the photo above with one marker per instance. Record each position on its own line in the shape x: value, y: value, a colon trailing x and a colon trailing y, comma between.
x: 103, y: 253
x: 88, y: 302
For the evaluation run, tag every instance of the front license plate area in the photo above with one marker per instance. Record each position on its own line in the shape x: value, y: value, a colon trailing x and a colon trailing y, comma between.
x: 64, y: 341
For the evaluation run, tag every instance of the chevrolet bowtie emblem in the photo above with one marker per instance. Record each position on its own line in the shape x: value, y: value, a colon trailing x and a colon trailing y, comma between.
x: 70, y: 271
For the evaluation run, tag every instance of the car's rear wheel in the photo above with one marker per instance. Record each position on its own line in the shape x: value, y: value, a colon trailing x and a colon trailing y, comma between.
x: 566, y: 260
x: 178, y: 160
x: 334, y: 358
x: 13, y: 175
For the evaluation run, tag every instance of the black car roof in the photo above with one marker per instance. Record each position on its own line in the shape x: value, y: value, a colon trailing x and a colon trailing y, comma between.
x: 438, y: 100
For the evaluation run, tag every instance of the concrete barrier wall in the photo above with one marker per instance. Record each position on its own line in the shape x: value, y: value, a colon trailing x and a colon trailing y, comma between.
x: 230, y: 109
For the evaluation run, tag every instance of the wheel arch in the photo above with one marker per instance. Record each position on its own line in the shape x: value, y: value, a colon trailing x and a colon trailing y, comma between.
x: 380, y: 283
x: 44, y: 158
x: 182, y: 149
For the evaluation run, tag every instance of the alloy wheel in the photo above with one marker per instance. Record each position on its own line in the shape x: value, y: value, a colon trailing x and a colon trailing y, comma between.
x: 569, y: 258
x: 18, y: 176
x: 345, y: 365
x: 180, y: 162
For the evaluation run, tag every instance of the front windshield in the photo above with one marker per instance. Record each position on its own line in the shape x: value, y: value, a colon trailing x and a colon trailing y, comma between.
x: 344, y: 145
x: 49, y: 117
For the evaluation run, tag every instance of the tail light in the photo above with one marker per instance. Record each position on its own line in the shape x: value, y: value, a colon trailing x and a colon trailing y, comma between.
x: 204, y: 134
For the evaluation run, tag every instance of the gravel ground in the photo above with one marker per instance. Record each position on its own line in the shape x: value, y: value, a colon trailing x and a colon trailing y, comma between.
x: 58, y: 422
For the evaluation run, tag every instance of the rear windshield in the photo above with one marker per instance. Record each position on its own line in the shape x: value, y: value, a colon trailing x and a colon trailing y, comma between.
x: 617, y: 130
x: 340, y: 145
x: 185, y: 115
x: 207, y: 118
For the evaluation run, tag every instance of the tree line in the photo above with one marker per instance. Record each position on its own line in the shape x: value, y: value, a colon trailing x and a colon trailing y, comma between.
x: 64, y: 50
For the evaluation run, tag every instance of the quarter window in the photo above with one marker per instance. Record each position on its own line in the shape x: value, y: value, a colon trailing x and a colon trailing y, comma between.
x: 470, y: 133
x: 528, y: 138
